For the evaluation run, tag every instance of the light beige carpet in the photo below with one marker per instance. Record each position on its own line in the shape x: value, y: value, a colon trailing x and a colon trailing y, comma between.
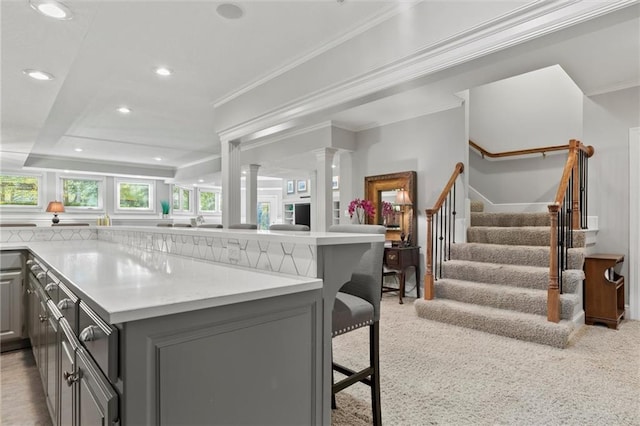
x: 436, y: 373
x: 439, y: 374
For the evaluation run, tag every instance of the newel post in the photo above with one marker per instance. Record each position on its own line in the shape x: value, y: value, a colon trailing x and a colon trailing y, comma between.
x: 553, y: 292
x: 429, y: 291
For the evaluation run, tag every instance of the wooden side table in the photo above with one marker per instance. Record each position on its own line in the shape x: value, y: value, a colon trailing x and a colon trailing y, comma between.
x: 399, y: 259
x: 603, y: 290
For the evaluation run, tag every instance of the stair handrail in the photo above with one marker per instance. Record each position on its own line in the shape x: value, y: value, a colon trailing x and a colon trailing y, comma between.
x: 567, y: 213
x: 540, y: 150
x: 445, y: 195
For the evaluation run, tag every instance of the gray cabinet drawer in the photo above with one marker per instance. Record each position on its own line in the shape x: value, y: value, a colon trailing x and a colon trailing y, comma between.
x: 10, y: 260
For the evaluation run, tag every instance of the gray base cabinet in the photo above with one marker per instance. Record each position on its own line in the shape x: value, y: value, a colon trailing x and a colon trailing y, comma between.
x: 11, y: 299
x: 257, y: 362
x: 251, y: 363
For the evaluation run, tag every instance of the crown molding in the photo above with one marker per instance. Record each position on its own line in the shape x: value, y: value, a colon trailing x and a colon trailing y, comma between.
x: 382, y: 16
x: 516, y: 27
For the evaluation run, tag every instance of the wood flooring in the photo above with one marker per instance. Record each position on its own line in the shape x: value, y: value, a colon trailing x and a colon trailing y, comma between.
x: 23, y: 401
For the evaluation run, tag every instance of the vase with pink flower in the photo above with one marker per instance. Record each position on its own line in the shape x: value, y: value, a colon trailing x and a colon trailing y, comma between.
x: 361, y: 209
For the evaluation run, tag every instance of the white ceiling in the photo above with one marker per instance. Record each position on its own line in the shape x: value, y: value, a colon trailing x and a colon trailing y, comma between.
x: 105, y: 56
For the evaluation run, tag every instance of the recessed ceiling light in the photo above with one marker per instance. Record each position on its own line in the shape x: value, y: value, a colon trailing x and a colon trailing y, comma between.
x: 38, y: 75
x: 230, y: 11
x: 78, y: 149
x: 200, y: 180
x: 333, y: 166
x: 124, y: 110
x: 157, y: 158
x: 51, y: 8
x: 165, y: 72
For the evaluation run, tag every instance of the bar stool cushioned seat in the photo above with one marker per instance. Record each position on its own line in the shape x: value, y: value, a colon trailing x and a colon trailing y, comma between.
x: 288, y: 227
x: 357, y: 305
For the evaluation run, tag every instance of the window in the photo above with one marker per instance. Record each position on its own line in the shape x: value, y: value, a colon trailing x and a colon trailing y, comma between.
x: 82, y: 192
x: 18, y: 190
x: 135, y: 195
x: 182, y: 199
x: 208, y: 200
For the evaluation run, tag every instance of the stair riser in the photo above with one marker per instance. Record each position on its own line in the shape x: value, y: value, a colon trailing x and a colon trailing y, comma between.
x: 529, y: 304
x: 532, y: 256
x: 510, y: 219
x: 505, y: 276
x: 530, y: 236
x: 547, y: 334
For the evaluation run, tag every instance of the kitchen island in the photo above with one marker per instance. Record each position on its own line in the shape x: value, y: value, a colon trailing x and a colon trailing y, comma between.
x: 203, y: 342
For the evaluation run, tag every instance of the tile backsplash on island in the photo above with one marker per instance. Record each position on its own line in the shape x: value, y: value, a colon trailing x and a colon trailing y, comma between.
x: 22, y: 235
x: 273, y: 256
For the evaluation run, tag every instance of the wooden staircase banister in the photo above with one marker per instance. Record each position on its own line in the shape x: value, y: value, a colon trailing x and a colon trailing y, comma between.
x: 541, y: 150
x: 429, y: 290
x: 443, y: 195
x: 569, y: 184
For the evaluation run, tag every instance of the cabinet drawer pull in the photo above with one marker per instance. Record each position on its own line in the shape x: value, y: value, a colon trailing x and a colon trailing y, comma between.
x: 70, y: 378
x: 392, y: 256
x: 41, y: 275
x: 42, y: 318
x: 91, y: 333
x: 30, y: 262
x: 29, y: 291
x: 51, y: 287
x: 65, y: 304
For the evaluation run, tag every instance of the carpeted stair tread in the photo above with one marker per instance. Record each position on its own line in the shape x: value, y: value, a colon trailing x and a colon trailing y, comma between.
x: 477, y: 206
x: 512, y: 255
x: 519, y: 236
x: 509, y: 219
x: 518, y: 325
x: 521, y: 276
x: 526, y: 300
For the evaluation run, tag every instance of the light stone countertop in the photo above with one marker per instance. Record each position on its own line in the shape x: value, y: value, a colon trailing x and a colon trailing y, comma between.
x: 124, y: 283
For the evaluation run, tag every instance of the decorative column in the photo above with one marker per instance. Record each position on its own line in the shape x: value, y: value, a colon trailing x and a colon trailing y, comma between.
x: 251, y: 194
x: 324, y: 191
x: 313, y: 187
x: 230, y: 182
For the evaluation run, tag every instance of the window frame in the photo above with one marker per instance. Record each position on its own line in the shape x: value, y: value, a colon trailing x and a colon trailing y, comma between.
x: 191, y: 192
x: 134, y: 210
x: 218, y: 204
x: 102, y: 185
x: 40, y: 206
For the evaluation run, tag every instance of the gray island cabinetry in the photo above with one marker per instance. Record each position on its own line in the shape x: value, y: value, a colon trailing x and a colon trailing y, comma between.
x: 125, y: 336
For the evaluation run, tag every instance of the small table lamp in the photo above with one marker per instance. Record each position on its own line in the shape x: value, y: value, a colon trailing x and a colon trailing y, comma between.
x: 55, y: 207
x: 403, y: 199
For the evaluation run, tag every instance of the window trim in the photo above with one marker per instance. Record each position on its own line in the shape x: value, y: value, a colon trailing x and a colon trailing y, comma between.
x: 134, y: 210
x: 217, y: 209
x: 102, y: 185
x: 40, y: 206
x: 181, y: 211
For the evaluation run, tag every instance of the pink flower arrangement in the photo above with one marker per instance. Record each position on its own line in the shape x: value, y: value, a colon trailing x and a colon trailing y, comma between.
x: 360, y: 208
x: 387, y: 209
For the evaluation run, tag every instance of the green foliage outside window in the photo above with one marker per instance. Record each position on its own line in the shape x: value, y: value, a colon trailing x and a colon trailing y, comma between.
x: 18, y: 190
x: 176, y: 198
x: 207, y: 201
x: 134, y: 195
x: 186, y: 200
x: 80, y: 193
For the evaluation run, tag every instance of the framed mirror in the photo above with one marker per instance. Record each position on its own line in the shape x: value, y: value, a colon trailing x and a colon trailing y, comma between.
x: 394, y: 198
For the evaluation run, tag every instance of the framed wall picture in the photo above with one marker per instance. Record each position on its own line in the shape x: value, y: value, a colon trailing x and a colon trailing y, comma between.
x: 290, y: 187
x: 302, y: 186
x: 335, y: 182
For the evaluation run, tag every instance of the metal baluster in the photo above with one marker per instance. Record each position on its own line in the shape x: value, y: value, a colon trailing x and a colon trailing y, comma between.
x: 441, y: 237
x: 454, y: 218
x: 434, y: 242
x: 448, y: 240
x: 586, y: 191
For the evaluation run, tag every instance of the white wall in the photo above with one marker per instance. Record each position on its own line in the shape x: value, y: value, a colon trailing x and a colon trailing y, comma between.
x: 607, y: 120
x: 536, y: 109
x: 431, y: 145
